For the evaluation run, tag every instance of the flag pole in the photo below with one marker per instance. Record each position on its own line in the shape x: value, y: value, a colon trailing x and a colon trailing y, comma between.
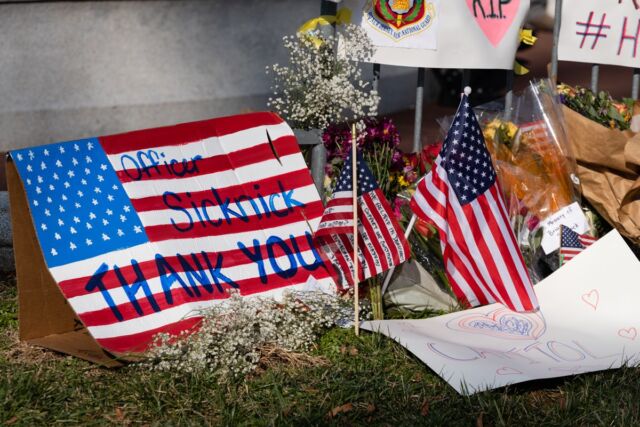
x: 354, y: 183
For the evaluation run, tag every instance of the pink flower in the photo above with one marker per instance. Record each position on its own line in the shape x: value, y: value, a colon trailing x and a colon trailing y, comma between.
x: 410, y: 176
x: 523, y: 210
x: 397, y: 212
x: 424, y: 228
x: 533, y: 222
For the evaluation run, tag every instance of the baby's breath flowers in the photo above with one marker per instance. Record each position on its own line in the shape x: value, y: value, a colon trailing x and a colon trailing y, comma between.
x: 231, y: 334
x: 319, y: 86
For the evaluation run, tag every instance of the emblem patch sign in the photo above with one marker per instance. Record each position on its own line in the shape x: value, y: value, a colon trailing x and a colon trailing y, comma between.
x: 442, y: 34
x: 401, y: 23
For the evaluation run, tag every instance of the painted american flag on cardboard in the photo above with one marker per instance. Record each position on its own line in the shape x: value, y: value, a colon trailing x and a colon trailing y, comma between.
x: 141, y: 230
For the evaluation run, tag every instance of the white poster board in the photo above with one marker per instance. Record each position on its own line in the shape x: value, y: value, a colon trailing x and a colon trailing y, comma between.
x: 459, y: 33
x: 588, y: 322
x: 600, y: 32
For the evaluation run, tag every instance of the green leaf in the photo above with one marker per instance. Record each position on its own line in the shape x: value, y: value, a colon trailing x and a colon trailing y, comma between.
x: 384, y: 8
x: 416, y: 10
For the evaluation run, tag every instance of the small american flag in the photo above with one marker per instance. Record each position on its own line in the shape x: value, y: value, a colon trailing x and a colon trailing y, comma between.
x: 381, y: 241
x: 144, y: 229
x: 461, y: 197
x: 572, y: 243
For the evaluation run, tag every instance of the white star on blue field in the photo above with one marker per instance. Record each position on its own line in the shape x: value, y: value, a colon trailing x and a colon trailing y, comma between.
x: 78, y: 205
x: 366, y: 181
x: 465, y: 157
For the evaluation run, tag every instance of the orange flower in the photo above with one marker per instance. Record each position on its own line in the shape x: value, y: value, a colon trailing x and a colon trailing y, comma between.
x: 424, y: 228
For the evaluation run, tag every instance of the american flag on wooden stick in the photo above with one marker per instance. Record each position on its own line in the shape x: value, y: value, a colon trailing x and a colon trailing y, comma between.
x: 381, y: 241
x: 461, y: 197
x: 572, y: 243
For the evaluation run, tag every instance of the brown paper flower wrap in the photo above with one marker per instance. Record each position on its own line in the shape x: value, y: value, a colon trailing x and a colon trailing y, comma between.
x: 609, y: 170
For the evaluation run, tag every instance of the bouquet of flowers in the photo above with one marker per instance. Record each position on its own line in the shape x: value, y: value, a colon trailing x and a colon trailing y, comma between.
x: 397, y: 174
x: 536, y: 170
x: 600, y: 107
x: 378, y: 142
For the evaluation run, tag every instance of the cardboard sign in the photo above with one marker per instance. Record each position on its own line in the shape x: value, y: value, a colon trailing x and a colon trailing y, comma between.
x: 600, y: 32
x: 121, y: 237
x: 460, y: 34
x: 588, y: 321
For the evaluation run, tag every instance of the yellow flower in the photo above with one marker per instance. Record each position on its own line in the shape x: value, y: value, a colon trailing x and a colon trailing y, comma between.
x: 512, y: 129
x: 494, y: 124
x: 505, y: 129
x: 403, y: 182
x: 566, y: 90
x: 489, y: 133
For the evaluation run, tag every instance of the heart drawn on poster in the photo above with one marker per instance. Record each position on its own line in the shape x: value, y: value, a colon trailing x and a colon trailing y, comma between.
x: 628, y: 333
x: 494, y: 17
x: 591, y: 298
x: 501, y: 323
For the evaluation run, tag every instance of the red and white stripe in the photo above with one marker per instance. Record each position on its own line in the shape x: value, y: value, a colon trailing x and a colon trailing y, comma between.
x: 568, y: 253
x: 237, y: 155
x: 481, y: 256
x: 381, y: 241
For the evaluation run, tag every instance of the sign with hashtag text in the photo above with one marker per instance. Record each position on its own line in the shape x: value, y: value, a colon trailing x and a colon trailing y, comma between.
x: 601, y: 32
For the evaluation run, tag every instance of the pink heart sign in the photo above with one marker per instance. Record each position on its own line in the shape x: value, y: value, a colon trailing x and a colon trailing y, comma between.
x: 494, y: 17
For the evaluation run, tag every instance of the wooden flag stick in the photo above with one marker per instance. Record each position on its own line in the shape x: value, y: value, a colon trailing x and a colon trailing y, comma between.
x: 354, y: 183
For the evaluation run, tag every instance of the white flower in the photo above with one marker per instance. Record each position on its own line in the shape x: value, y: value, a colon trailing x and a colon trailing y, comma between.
x: 231, y: 334
x: 319, y: 86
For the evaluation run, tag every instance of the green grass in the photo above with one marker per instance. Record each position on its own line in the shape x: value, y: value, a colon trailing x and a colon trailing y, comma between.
x: 368, y: 381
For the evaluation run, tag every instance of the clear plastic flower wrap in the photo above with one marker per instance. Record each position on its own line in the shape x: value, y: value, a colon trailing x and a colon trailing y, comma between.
x: 536, y: 169
x: 535, y: 166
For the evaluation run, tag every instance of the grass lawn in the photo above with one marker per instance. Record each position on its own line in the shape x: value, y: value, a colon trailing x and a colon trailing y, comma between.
x: 363, y: 381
